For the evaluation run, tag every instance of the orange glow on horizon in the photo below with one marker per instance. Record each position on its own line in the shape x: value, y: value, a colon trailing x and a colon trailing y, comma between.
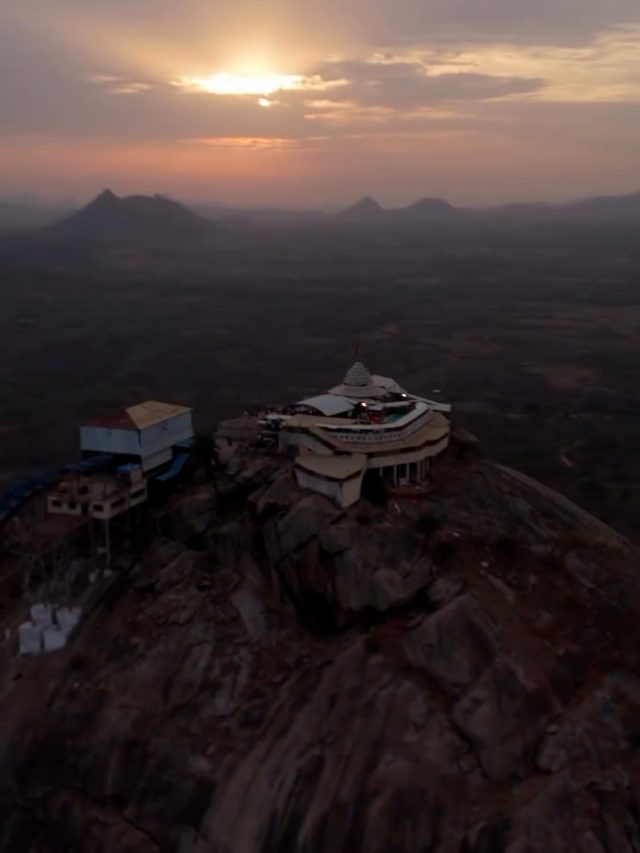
x: 306, y: 171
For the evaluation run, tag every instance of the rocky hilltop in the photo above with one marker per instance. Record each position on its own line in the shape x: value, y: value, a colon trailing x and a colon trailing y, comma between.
x: 455, y: 672
x: 134, y: 220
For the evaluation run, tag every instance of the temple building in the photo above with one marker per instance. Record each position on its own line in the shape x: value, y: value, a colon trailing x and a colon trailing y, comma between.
x: 366, y: 425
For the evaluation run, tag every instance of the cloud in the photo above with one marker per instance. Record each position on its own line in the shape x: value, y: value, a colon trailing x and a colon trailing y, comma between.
x: 253, y: 143
x: 450, y: 77
x: 511, y: 21
x: 401, y: 85
x: 114, y: 85
x: 373, y: 90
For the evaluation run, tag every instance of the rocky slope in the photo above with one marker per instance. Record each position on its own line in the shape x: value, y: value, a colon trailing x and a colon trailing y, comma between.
x: 457, y: 673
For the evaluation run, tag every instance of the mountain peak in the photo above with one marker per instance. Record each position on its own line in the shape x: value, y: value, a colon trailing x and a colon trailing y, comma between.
x: 431, y: 205
x: 368, y: 204
x: 365, y: 208
x: 105, y: 196
x: 135, y: 218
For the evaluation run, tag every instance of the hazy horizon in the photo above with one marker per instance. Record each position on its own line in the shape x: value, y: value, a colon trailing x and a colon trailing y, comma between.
x: 52, y: 201
x: 305, y: 104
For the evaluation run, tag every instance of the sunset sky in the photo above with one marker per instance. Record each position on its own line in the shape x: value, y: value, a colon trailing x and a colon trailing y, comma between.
x: 317, y: 103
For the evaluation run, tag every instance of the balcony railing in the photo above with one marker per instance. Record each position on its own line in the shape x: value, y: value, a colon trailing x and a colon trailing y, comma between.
x: 380, y: 433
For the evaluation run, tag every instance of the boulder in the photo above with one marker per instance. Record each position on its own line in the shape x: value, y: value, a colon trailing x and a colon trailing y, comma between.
x: 367, y: 576
x: 444, y: 589
x: 599, y: 730
x: 504, y: 718
x: 279, y: 494
x: 454, y: 645
x: 336, y: 538
x: 303, y: 522
x: 252, y: 612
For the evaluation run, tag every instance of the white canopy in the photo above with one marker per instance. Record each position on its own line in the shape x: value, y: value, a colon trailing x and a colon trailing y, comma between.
x: 329, y: 405
x: 390, y: 384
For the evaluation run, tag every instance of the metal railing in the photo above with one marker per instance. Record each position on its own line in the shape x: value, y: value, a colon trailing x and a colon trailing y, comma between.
x: 381, y: 433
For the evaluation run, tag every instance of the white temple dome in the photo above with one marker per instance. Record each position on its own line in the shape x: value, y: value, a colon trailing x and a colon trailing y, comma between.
x: 358, y: 382
x: 358, y: 375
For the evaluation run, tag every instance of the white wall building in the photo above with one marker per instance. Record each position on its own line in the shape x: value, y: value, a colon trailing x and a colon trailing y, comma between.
x: 102, y: 496
x: 147, y: 432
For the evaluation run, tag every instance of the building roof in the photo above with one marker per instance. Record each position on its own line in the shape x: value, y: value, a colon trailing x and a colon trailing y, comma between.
x: 152, y: 412
x: 390, y: 384
x: 140, y: 416
x: 328, y: 404
x: 332, y: 467
x: 433, y: 404
x: 118, y: 420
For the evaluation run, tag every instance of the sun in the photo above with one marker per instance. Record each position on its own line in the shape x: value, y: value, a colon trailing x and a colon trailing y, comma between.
x: 261, y: 85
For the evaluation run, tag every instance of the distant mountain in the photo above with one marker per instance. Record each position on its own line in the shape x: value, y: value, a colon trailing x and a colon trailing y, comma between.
x: 599, y: 210
x: 366, y: 209
x: 624, y: 209
x: 133, y: 219
x: 427, y: 208
x: 607, y: 205
x: 19, y: 214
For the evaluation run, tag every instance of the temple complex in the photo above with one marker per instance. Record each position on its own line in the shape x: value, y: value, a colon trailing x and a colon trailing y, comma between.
x: 368, y: 423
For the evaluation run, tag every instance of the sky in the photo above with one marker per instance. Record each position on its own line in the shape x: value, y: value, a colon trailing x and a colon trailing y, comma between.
x: 318, y: 102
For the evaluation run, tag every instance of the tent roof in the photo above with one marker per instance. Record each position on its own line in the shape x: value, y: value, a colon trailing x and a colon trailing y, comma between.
x: 328, y: 404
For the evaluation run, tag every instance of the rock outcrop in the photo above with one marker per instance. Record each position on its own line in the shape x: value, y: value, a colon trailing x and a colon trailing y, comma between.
x: 457, y: 673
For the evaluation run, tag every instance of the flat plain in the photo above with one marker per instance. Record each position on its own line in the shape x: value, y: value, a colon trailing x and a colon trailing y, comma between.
x: 532, y: 333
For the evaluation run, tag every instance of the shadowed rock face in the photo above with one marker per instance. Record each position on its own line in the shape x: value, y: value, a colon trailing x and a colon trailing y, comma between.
x: 457, y: 674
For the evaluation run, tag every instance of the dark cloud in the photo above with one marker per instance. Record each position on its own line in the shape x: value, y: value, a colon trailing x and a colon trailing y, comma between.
x: 404, y: 85
x: 43, y: 93
x: 517, y: 21
x: 416, y: 21
x: 193, y: 23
